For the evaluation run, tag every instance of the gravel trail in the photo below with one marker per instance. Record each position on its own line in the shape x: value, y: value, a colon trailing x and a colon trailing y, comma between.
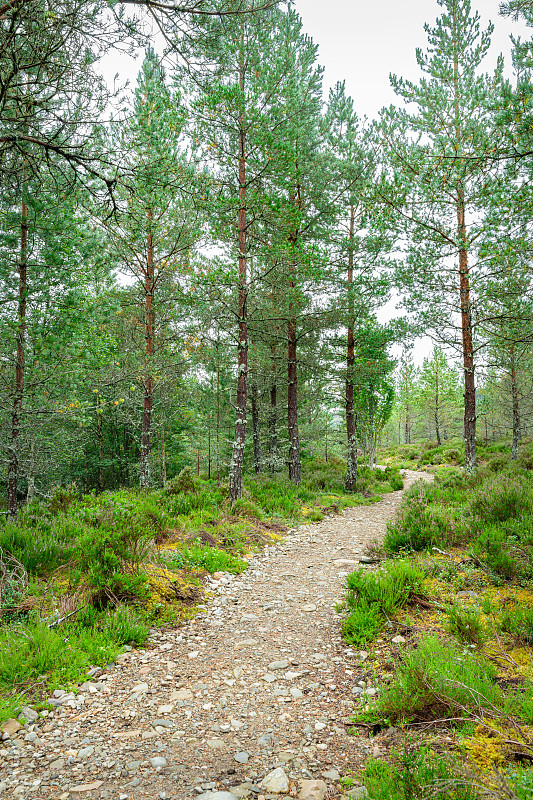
x: 260, y: 684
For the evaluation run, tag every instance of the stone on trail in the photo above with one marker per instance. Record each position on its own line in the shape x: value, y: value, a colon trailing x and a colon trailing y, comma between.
x: 158, y: 761
x: 10, y: 726
x: 399, y: 640
x: 312, y: 790
x: 332, y: 775
x: 309, y: 607
x: 216, y: 796
x: 278, y: 665
x: 241, y: 758
x: 29, y: 713
x: 216, y: 744
x: 85, y: 787
x: 275, y: 782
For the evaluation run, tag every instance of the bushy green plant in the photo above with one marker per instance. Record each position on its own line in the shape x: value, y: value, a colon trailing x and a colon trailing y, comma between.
x: 436, y: 680
x: 465, y: 624
x: 415, y: 775
x: 40, y: 548
x: 212, y: 559
x: 501, y: 497
x: 389, y: 587
x: 518, y: 621
x: 362, y: 624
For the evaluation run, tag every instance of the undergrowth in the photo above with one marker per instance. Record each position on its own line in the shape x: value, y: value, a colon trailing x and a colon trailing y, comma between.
x: 460, y: 687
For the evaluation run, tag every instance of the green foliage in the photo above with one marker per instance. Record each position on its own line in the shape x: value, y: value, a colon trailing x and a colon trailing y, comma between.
x: 415, y: 775
x: 499, y: 498
x: 372, y: 596
x: 212, y: 559
x: 518, y: 621
x: 362, y: 624
x: 466, y: 625
x: 33, y: 653
x: 438, y: 679
x: 418, y: 525
x: 389, y: 588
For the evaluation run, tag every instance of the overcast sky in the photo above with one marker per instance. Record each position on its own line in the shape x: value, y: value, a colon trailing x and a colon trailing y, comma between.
x: 363, y: 41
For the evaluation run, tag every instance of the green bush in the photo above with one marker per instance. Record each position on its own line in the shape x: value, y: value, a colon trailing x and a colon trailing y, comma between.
x: 415, y: 775
x: 212, y: 559
x: 466, y: 625
x: 519, y: 622
x: 362, y: 624
x: 502, y: 497
x: 437, y: 680
x: 389, y: 588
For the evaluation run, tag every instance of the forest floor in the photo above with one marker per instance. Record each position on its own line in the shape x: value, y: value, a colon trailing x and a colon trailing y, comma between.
x: 253, y: 695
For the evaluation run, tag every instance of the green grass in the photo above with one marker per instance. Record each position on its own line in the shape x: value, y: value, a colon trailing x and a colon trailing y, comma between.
x: 212, y: 559
x: 372, y: 597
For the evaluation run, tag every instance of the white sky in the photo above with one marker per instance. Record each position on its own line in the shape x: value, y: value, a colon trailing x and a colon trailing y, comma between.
x: 363, y: 41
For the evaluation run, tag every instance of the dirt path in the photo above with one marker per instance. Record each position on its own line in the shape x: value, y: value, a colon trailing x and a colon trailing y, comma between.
x: 261, y: 681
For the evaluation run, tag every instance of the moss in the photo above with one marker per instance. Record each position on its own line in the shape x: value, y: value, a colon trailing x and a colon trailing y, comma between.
x: 169, y: 587
x: 485, y: 751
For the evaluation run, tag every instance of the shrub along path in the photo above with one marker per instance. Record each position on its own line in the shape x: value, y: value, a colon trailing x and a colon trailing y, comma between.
x: 253, y: 696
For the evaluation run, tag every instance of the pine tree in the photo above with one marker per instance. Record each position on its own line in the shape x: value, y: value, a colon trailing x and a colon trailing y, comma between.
x: 157, y: 225
x: 438, y: 188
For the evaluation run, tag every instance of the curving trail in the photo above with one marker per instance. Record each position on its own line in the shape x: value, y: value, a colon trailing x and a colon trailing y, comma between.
x: 262, y: 680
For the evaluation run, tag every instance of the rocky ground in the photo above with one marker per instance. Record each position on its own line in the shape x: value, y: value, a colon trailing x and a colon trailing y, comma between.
x: 252, y: 699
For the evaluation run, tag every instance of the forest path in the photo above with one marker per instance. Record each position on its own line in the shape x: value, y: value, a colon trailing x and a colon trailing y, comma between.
x: 261, y: 681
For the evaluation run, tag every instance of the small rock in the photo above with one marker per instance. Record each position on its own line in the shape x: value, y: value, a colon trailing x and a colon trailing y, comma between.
x: 139, y: 687
x: 312, y: 790
x: 216, y: 744
x: 363, y: 655
x: 10, y: 727
x: 278, y: 665
x: 245, y: 643
x: 241, y: 758
x: 167, y: 709
x: 399, y: 640
x: 296, y: 693
x: 85, y: 752
x: 29, y: 713
x: 158, y: 761
x: 275, y: 782
x: 371, y: 692
x: 368, y: 560
x: 216, y: 796
x: 309, y: 607
x: 319, y: 726
x: 85, y: 787
x: 331, y: 775
x: 182, y: 694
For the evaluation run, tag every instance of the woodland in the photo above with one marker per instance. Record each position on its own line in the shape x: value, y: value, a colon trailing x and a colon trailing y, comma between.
x: 193, y: 273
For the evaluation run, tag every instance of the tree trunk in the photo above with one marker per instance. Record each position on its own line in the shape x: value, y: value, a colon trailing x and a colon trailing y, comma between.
x: 273, y: 419
x: 468, y: 347
x: 516, y: 408
x: 292, y: 403
x: 163, y: 453
x: 145, y: 479
x: 18, y: 394
x: 351, y: 432
x: 100, y: 437
x: 30, y: 494
x: 256, y: 430
x: 437, y: 426
x: 237, y: 456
